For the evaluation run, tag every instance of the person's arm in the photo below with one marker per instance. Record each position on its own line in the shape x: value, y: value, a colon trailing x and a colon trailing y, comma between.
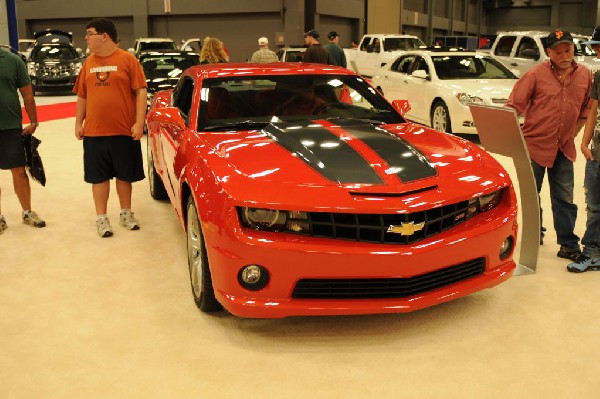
x: 137, y: 130
x: 30, y: 108
x: 521, y: 93
x: 80, y: 117
x: 581, y: 122
x: 589, y: 130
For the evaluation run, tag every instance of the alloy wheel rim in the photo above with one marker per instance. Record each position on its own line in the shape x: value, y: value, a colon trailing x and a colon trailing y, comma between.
x: 194, y: 251
x: 439, y: 119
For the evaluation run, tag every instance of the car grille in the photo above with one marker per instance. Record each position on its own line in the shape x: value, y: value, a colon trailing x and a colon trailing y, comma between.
x: 374, y: 288
x: 379, y: 228
x: 55, y: 70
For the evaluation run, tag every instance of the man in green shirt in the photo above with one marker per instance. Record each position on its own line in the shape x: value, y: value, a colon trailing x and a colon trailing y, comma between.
x: 14, y: 79
x: 336, y: 53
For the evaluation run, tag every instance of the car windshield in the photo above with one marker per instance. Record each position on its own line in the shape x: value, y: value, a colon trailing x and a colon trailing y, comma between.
x: 47, y: 52
x: 402, y: 43
x: 260, y: 100
x: 470, y: 67
x: 167, y: 66
x: 146, y: 46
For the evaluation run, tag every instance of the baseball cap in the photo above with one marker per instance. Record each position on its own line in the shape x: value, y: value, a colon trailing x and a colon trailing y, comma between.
x: 262, y: 41
x: 557, y: 37
x: 595, y: 39
x: 312, y: 33
x: 332, y: 35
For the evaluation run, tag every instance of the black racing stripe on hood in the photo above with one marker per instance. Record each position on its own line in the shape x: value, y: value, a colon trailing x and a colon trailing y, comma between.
x: 404, y: 160
x: 322, y: 150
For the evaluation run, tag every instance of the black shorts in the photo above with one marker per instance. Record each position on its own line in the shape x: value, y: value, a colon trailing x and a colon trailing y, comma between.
x: 12, y: 151
x: 112, y: 156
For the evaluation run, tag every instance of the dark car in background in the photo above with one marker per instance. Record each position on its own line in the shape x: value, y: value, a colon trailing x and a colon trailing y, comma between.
x: 54, y: 62
x: 163, y: 68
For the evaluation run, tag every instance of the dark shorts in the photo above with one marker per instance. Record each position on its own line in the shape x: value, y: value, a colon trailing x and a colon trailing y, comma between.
x: 112, y: 156
x: 12, y: 151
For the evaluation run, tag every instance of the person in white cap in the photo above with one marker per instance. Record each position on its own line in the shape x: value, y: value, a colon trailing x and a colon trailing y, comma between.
x: 263, y: 54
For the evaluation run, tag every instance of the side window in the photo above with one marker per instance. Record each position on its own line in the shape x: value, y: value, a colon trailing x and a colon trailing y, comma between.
x: 420, y: 65
x: 403, y: 64
x: 182, y: 97
x: 504, y: 46
x: 528, y: 49
x: 365, y: 45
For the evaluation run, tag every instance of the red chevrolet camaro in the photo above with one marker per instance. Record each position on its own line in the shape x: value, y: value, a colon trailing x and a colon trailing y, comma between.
x: 302, y: 191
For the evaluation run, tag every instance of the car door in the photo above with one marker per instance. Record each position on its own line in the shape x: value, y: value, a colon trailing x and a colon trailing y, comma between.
x: 503, y: 49
x: 417, y: 89
x: 368, y: 55
x: 171, y: 135
x: 527, y: 54
x: 394, y: 80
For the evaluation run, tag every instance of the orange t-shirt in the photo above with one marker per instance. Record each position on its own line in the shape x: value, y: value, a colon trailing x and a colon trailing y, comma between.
x: 108, y: 85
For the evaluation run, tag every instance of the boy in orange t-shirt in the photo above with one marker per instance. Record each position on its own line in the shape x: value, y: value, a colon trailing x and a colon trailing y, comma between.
x: 111, y: 107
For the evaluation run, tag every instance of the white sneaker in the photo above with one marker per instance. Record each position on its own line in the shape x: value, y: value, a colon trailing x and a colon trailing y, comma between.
x: 103, y: 227
x: 31, y: 218
x: 128, y: 221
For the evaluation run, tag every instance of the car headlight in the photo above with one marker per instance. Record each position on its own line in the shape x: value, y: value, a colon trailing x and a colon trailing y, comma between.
x: 467, y: 99
x: 76, y: 67
x: 274, y: 220
x: 32, y: 68
x: 484, y: 203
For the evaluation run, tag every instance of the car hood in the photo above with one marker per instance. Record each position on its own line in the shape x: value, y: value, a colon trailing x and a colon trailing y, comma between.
x: 361, y: 158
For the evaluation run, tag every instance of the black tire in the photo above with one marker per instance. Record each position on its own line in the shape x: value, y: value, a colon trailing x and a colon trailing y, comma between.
x: 200, y: 277
x: 440, y: 117
x: 157, y: 188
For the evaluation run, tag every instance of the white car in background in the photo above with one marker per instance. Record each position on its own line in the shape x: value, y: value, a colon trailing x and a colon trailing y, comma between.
x: 440, y: 84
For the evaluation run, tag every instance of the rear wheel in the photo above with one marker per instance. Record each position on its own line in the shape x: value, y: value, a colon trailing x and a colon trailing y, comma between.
x: 440, y: 117
x: 200, y: 277
x: 157, y: 188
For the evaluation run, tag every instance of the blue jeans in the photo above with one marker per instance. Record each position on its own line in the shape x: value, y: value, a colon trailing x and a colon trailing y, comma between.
x: 560, y: 178
x: 591, y: 238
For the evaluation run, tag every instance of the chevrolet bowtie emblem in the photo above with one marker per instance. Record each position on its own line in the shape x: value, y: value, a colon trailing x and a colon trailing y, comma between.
x: 406, y: 229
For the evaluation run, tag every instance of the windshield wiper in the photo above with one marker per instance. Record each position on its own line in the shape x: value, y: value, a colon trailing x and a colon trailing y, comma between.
x: 240, y: 125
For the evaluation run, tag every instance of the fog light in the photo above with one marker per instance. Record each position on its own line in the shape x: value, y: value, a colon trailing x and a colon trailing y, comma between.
x: 253, y: 277
x: 506, y: 248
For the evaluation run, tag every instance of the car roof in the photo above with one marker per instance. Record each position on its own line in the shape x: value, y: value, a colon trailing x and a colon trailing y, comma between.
x: 445, y: 52
x: 154, y: 39
x: 161, y: 52
x: 233, y: 69
x: 535, y: 33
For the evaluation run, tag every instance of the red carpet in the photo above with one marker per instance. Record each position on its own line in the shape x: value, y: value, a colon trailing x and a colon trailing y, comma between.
x: 53, y: 112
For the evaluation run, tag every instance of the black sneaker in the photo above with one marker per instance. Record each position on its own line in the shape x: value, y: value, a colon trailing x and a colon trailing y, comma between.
x: 569, y: 253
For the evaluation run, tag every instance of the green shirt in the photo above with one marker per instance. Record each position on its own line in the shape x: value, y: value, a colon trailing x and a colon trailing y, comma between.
x: 13, y: 75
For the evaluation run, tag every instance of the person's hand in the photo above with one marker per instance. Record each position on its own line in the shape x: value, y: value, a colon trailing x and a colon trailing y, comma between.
x: 137, y: 131
x: 587, y: 153
x: 30, y: 129
x: 79, y: 132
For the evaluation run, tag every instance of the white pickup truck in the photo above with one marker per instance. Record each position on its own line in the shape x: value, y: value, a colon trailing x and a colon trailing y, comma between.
x: 376, y: 50
x: 520, y: 50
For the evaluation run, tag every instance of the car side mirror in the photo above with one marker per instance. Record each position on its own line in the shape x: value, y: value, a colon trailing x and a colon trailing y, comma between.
x: 421, y: 74
x: 168, y: 116
x: 401, y: 106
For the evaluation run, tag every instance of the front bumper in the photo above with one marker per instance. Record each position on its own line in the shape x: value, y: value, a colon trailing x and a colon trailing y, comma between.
x: 290, y: 258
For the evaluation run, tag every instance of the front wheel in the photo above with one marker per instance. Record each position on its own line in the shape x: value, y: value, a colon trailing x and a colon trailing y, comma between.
x: 440, y: 117
x: 200, y: 277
